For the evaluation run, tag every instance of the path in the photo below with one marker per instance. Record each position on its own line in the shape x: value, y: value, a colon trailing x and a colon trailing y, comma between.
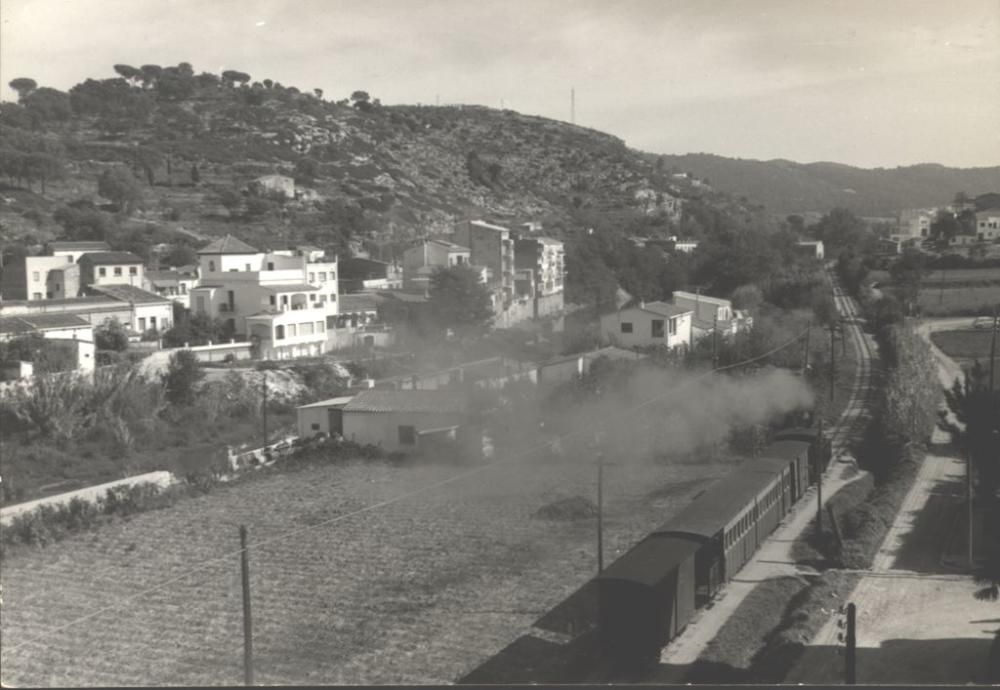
x: 917, y: 621
x: 774, y: 558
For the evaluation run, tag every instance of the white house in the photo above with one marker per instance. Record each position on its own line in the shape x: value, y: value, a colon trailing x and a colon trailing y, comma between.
x: 813, y: 247
x: 712, y: 313
x: 323, y: 417
x: 988, y: 225
x: 648, y: 323
x: 66, y: 328
x: 149, y: 312
x: 400, y: 420
x: 283, y: 303
x: 175, y: 285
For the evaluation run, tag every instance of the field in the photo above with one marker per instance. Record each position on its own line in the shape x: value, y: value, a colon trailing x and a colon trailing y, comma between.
x: 964, y: 346
x: 963, y: 276
x: 419, y: 591
x: 954, y: 301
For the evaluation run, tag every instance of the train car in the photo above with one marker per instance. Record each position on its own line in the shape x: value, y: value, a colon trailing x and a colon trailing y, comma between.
x: 646, y: 597
x: 796, y: 455
x: 820, y: 448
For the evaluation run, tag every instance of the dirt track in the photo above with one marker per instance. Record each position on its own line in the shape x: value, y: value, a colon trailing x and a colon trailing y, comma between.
x: 917, y: 621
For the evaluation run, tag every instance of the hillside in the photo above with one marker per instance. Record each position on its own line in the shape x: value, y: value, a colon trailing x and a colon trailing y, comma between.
x: 193, y: 143
x: 786, y: 187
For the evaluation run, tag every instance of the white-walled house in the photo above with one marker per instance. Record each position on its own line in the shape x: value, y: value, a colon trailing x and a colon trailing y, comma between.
x: 399, y: 420
x: 283, y: 303
x: 66, y: 328
x: 712, y: 313
x: 988, y: 225
x: 323, y: 417
x: 648, y: 323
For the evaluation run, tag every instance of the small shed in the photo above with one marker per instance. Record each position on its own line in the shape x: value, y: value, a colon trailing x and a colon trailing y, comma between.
x: 323, y: 417
x: 393, y: 419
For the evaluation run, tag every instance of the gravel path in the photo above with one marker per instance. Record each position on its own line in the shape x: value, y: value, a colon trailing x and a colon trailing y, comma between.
x: 917, y: 621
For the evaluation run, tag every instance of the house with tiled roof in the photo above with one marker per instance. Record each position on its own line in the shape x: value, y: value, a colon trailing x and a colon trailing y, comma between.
x: 111, y: 268
x: 69, y: 332
x: 406, y: 420
x: 648, y: 323
x: 149, y: 313
x: 285, y: 302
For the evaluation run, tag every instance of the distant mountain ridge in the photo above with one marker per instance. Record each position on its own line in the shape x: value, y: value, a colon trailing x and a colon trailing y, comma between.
x: 786, y: 187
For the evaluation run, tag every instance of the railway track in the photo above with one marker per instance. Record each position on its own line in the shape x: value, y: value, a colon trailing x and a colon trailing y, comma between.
x: 853, y: 419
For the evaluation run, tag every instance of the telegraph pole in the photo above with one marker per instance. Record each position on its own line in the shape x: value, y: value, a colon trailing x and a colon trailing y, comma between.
x: 819, y: 482
x: 247, y: 621
x: 715, y: 341
x: 850, y: 659
x: 264, y: 407
x: 805, y: 358
x: 833, y: 366
x: 993, y: 345
x: 572, y: 106
x: 968, y: 491
x: 600, y: 509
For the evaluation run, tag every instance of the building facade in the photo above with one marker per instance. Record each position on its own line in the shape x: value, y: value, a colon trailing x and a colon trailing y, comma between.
x: 648, y: 323
x: 111, y: 268
x: 492, y: 247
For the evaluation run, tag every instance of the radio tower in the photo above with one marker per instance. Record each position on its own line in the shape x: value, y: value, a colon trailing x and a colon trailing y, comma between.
x: 572, y: 106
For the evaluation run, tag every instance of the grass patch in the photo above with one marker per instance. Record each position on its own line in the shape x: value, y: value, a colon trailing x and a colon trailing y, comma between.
x: 729, y: 655
x: 964, y: 344
x: 958, y: 301
x: 819, y: 550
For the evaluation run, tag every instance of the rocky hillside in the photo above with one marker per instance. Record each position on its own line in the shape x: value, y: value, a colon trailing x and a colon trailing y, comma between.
x: 786, y: 187
x: 189, y: 146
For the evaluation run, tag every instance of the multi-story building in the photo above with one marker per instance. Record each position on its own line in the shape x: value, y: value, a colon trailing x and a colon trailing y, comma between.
x: 111, y: 268
x: 40, y: 278
x: 284, y: 302
x: 988, y: 225
x: 72, y: 251
x: 545, y: 258
x: 492, y: 247
x: 914, y: 224
x: 420, y: 262
x: 174, y: 284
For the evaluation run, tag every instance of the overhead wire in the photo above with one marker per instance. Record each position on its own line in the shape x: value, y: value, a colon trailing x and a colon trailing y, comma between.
x: 206, y: 564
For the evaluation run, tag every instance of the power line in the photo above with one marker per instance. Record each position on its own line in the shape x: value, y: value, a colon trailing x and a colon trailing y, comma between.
x: 382, y: 504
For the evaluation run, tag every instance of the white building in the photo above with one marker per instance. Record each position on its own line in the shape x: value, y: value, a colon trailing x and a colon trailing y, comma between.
x: 648, y: 323
x: 420, y: 262
x: 70, y: 329
x: 401, y: 420
x: 174, y: 285
x: 712, y: 313
x: 111, y: 268
x: 283, y: 303
x: 149, y: 313
x: 988, y: 225
x: 323, y: 417
x: 914, y: 224
x: 814, y: 247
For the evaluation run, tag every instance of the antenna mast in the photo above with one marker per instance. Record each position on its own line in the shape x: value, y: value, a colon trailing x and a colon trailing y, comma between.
x: 572, y: 105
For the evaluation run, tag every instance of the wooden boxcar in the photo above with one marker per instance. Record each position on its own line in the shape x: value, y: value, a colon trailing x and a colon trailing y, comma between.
x: 796, y: 454
x: 820, y: 448
x: 646, y: 597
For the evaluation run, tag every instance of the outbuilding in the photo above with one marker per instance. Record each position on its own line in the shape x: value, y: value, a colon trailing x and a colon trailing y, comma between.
x: 397, y: 420
x: 323, y: 417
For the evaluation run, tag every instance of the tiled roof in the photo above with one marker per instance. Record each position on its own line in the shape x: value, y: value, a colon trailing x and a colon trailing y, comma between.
x: 228, y: 245
x: 103, y: 258
x: 660, y: 308
x: 26, y: 323
x: 128, y: 293
x: 407, y: 401
x: 65, y: 246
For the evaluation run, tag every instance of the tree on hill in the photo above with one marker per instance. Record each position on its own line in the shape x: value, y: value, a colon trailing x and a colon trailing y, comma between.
x: 131, y: 74
x: 120, y: 186
x: 23, y: 86
x: 150, y: 75
x: 48, y: 105
x: 458, y: 300
x: 232, y: 77
x: 361, y: 100
x: 82, y: 221
x: 182, y: 375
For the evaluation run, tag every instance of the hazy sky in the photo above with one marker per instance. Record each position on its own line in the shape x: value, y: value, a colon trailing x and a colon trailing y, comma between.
x: 864, y: 82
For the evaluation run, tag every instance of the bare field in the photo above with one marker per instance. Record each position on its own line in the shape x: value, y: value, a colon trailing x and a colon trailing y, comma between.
x: 963, y: 275
x: 964, y: 346
x: 419, y: 591
x: 958, y: 301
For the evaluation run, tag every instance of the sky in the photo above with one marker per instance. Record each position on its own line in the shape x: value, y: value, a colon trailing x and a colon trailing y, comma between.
x: 872, y: 83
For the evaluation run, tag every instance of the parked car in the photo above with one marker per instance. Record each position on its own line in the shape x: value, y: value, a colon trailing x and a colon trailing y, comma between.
x: 983, y: 322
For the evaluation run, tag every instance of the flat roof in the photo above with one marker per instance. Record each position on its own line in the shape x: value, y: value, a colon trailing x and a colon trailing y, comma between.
x: 290, y: 287
x: 104, y: 258
x: 702, y: 298
x: 374, y: 400
x: 658, y: 308
x: 129, y: 293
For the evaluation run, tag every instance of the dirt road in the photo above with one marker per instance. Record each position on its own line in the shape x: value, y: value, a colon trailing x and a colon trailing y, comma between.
x: 917, y: 621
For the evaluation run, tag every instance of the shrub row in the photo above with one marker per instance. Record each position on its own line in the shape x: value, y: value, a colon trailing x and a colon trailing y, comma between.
x: 51, y: 523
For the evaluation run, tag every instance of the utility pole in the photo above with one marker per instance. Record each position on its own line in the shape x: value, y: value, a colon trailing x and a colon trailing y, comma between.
x: 247, y: 621
x: 600, y: 509
x: 833, y: 365
x: 993, y: 345
x: 805, y: 358
x: 715, y: 341
x: 818, y: 469
x: 264, y: 407
x: 968, y: 491
x: 850, y: 660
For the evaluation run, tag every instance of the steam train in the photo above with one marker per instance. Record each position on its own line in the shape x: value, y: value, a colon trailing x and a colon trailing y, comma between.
x: 648, y: 595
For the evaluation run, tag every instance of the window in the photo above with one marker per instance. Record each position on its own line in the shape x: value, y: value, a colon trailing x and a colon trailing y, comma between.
x: 118, y: 270
x: 184, y: 288
x: 626, y: 326
x: 657, y: 328
x: 292, y: 331
x: 133, y: 270
x: 322, y: 277
x: 48, y: 295
x: 672, y: 326
x: 102, y: 271
x: 312, y: 277
x: 270, y: 265
x: 36, y: 295
x: 152, y: 322
x: 320, y: 327
x: 35, y: 277
x: 312, y: 296
x: 246, y: 267
x: 279, y: 332
x: 407, y: 436
x: 333, y: 296
x: 142, y: 323
x: 211, y: 266
x: 273, y: 300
